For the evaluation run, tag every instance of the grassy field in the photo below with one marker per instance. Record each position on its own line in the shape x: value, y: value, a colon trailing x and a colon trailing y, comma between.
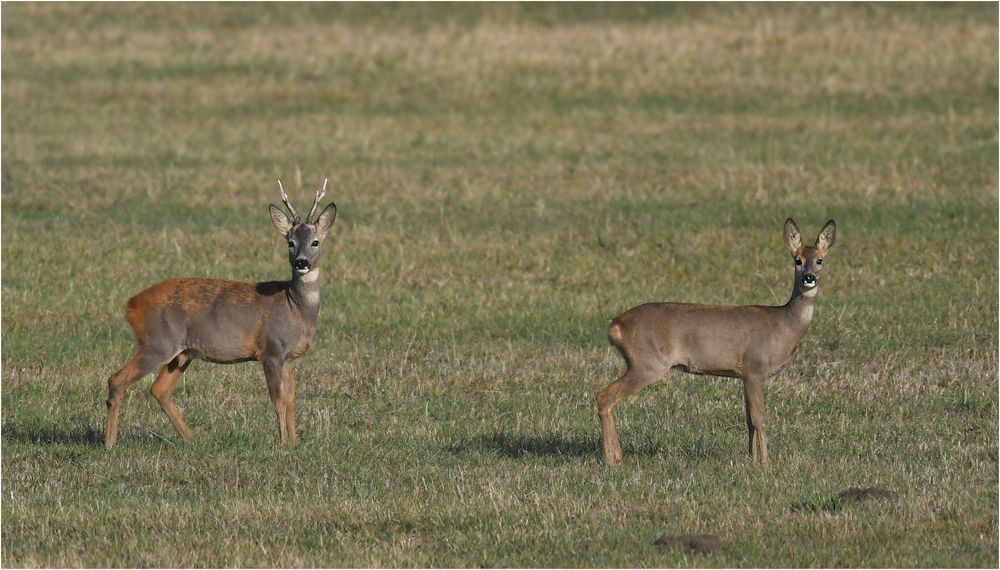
x: 509, y: 177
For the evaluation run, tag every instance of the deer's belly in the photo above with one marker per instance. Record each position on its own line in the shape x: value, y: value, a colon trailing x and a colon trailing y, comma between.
x: 225, y: 341
x: 710, y: 369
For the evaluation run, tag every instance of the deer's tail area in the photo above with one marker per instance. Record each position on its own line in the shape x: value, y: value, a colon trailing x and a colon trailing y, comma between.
x: 615, y: 334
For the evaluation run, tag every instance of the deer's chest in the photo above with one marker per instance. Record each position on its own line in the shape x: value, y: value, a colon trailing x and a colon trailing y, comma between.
x: 770, y: 356
x: 303, y: 344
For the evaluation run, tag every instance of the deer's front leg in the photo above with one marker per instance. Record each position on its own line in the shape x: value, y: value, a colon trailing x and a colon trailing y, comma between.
x: 753, y: 398
x: 289, y: 392
x: 274, y: 373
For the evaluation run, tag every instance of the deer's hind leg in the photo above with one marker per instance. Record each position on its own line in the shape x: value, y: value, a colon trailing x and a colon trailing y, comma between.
x: 635, y: 378
x: 140, y: 365
x: 163, y: 388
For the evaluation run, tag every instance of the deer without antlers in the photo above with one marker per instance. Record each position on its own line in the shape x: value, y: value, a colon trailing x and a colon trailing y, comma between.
x: 226, y: 322
x: 750, y: 343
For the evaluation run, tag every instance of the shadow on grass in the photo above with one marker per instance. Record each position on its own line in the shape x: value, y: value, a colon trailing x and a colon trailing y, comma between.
x: 509, y: 445
x: 79, y: 434
x: 547, y: 445
x: 556, y: 445
x: 47, y: 435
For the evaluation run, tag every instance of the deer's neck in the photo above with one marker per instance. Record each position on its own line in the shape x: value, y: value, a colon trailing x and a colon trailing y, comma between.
x: 799, y: 309
x: 304, y: 294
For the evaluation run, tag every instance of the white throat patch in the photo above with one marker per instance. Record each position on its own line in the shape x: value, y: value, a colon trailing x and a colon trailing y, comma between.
x: 807, y: 313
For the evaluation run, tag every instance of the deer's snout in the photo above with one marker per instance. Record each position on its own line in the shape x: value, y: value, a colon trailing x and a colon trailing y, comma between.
x: 301, y: 264
x: 809, y: 280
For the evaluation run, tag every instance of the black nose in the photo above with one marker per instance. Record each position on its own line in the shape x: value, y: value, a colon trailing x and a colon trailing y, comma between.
x: 808, y: 278
x: 301, y: 264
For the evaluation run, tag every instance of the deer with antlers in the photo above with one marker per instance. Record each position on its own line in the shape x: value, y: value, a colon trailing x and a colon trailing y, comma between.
x: 225, y: 322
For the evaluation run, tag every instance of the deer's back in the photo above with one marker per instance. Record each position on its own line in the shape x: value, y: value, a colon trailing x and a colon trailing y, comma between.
x: 709, y: 339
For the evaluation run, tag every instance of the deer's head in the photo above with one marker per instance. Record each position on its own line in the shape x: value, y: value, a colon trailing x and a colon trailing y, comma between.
x: 304, y: 237
x: 809, y: 258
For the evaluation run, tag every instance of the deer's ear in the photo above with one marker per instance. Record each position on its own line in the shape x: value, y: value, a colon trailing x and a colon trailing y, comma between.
x: 326, y: 218
x: 280, y: 220
x: 827, y: 236
x: 793, y: 238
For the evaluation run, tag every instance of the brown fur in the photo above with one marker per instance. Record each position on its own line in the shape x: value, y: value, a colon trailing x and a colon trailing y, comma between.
x: 226, y: 322
x: 749, y: 342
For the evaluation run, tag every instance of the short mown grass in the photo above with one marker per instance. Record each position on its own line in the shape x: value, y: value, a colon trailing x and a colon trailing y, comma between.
x: 509, y: 177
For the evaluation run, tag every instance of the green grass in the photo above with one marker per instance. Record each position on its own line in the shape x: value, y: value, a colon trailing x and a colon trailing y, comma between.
x: 509, y: 177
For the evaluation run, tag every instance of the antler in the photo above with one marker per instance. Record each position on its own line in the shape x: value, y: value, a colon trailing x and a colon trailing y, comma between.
x: 319, y: 196
x: 284, y: 198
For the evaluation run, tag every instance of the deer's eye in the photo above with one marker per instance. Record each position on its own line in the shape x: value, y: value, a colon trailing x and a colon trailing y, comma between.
x: 291, y: 245
x: 315, y: 243
x: 819, y: 262
x: 798, y: 261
